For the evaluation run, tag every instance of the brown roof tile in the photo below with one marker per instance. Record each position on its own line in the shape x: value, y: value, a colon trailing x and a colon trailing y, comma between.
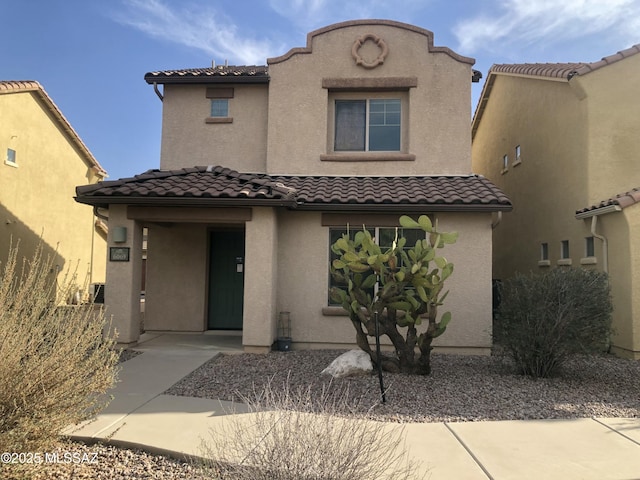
x: 222, y: 186
x: 550, y: 70
x: 218, y: 74
x: 621, y: 200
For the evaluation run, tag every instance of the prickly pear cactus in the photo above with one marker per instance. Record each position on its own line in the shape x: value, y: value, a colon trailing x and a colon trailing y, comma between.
x: 409, y: 289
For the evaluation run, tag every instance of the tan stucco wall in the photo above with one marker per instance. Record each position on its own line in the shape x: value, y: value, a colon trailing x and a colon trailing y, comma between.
x: 579, y: 146
x: 260, y: 279
x: 122, y: 290
x: 548, y: 121
x: 613, y: 103
x: 187, y: 140
x: 176, y: 281
x: 439, y: 107
x: 622, y: 230
x: 36, y: 197
x: 303, y: 275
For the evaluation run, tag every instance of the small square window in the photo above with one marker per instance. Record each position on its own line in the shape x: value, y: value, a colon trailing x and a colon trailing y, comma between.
x: 505, y: 163
x: 220, y: 107
x: 544, y: 251
x: 11, y: 156
x: 589, y: 247
x: 564, y: 249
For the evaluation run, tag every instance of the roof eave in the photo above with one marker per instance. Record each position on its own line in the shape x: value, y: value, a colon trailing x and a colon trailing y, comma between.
x: 405, y: 207
x: 598, y: 211
x: 104, y: 202
x: 151, y: 79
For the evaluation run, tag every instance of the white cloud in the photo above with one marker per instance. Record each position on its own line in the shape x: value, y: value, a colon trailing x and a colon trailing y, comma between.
x: 311, y: 14
x: 199, y: 27
x: 544, y: 22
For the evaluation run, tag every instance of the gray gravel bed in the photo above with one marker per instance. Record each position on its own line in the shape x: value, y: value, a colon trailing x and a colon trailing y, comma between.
x: 103, y: 462
x: 460, y: 388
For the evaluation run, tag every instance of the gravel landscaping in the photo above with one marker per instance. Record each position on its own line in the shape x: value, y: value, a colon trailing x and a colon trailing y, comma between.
x: 460, y: 388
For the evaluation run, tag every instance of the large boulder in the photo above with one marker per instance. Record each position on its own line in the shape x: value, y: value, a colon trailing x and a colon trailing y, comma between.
x: 353, y: 362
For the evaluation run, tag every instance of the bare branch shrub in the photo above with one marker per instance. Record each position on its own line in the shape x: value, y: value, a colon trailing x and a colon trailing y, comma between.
x: 55, y: 363
x: 543, y: 319
x: 283, y: 439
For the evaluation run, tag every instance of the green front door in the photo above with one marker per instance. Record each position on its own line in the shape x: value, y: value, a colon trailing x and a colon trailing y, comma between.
x: 226, y: 280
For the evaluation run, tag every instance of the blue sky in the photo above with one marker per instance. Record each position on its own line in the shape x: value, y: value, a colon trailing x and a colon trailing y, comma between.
x: 91, y: 55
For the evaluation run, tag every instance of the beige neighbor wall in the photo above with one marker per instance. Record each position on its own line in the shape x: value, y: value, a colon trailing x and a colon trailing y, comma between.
x: 549, y: 184
x: 176, y: 280
x: 622, y: 230
x: 36, y: 196
x: 438, y: 107
x: 303, y: 276
x: 187, y: 140
x: 611, y: 94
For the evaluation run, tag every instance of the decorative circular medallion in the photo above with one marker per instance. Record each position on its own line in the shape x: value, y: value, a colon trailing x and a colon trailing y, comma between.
x: 370, y: 61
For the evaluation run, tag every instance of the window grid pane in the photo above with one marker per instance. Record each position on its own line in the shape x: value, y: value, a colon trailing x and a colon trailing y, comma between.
x: 350, y: 128
x: 220, y: 107
x: 384, y: 125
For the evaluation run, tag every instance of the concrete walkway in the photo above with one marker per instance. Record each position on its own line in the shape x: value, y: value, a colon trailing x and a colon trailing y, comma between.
x: 142, y: 416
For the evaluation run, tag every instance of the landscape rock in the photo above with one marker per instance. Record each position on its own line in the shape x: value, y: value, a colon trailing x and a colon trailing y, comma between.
x: 353, y: 362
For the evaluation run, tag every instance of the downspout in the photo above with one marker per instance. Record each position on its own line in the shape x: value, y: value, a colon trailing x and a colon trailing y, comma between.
x: 497, y: 221
x: 605, y: 244
x: 155, y: 89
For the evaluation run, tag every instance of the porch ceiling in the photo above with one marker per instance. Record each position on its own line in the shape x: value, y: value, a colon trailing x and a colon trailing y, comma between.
x: 219, y: 186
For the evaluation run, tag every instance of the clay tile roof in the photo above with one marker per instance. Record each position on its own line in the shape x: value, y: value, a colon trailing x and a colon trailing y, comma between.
x: 18, y: 86
x: 222, y: 186
x: 622, y: 200
x: 550, y: 70
x: 217, y: 74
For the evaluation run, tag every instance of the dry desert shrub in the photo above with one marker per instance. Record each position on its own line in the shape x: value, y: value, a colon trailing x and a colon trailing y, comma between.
x: 55, y: 364
x: 297, y: 435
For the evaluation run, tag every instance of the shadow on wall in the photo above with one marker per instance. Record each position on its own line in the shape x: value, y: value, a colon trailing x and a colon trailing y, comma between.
x: 12, y: 230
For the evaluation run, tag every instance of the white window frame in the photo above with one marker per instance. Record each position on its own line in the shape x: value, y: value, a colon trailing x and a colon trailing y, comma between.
x: 11, y: 157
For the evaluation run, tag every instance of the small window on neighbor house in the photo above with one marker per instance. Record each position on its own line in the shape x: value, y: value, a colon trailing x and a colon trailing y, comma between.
x: 589, y: 247
x: 220, y: 107
x: 505, y: 163
x: 564, y: 249
x: 517, y: 160
x: 11, y: 156
x: 544, y: 251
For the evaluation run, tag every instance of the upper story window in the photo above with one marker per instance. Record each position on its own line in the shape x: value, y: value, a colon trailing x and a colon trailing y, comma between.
x: 368, y: 125
x: 11, y: 157
x: 518, y: 160
x: 219, y: 105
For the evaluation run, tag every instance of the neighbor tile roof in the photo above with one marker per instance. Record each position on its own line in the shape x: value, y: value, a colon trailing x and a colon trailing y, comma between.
x: 220, y: 73
x: 555, y: 71
x: 621, y: 200
x: 563, y: 70
x: 19, y: 86
x: 223, y: 186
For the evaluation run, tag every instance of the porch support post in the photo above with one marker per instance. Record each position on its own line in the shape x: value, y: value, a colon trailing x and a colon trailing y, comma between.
x: 123, y: 284
x: 260, y: 280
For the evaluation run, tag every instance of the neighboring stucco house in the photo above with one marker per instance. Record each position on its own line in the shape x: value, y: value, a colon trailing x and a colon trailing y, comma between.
x: 369, y: 121
x: 44, y: 160
x: 563, y: 142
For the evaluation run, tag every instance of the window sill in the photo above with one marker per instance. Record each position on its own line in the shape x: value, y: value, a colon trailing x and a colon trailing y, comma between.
x: 564, y: 262
x: 503, y: 171
x: 11, y: 164
x: 218, y: 120
x: 544, y: 263
x: 368, y: 157
x: 334, y: 312
x: 517, y: 162
x: 589, y: 261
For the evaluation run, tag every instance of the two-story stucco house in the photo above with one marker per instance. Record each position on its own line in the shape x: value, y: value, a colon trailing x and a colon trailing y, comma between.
x: 365, y: 123
x: 44, y: 160
x: 562, y: 140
